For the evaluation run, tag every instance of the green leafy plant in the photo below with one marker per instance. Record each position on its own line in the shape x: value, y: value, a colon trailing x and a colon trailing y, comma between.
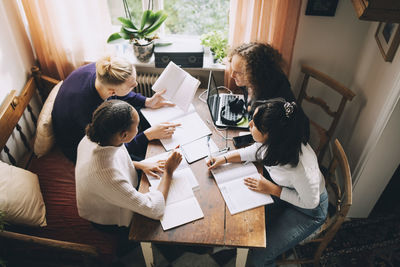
x: 142, y: 33
x: 217, y: 42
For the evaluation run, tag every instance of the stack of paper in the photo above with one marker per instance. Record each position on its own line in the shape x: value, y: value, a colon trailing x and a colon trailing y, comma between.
x: 238, y: 197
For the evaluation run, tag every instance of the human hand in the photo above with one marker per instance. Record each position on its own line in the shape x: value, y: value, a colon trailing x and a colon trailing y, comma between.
x: 263, y: 186
x: 153, y: 168
x: 161, y: 131
x: 215, y: 162
x: 157, y: 101
x: 172, y: 162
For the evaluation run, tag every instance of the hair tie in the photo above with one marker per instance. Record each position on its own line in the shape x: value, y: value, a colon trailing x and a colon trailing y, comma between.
x: 289, y: 108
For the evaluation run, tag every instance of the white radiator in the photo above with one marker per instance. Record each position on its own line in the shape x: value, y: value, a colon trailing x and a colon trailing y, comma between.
x: 145, y: 82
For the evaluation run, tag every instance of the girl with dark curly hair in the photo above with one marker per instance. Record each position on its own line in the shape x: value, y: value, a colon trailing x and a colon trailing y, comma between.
x: 258, y: 68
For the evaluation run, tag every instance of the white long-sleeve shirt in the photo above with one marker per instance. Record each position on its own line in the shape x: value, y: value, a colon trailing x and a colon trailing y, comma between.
x: 301, y: 185
x: 106, y: 183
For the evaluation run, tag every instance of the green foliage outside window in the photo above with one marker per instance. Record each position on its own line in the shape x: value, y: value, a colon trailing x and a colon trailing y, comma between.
x: 185, y: 17
x: 196, y: 17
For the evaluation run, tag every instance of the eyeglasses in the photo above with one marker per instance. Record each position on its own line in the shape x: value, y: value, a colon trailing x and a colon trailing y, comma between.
x: 237, y: 73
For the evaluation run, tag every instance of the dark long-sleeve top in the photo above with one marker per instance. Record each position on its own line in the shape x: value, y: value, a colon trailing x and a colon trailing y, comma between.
x: 73, y: 108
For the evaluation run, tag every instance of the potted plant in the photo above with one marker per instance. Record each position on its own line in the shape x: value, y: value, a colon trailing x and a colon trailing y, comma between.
x: 217, y: 43
x: 141, y: 36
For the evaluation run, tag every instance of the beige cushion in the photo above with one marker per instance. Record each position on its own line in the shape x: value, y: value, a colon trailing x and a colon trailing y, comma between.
x: 44, y: 139
x: 20, y: 196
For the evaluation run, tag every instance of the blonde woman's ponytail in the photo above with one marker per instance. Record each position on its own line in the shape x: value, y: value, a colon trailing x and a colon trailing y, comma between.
x: 114, y: 70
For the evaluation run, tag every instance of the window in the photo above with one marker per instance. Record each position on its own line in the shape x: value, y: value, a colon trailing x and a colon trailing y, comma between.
x: 185, y: 17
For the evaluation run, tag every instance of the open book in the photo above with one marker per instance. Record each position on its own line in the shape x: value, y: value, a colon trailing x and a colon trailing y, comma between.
x: 238, y: 197
x: 192, y: 126
x: 181, y: 205
x: 180, y: 85
x: 183, y: 170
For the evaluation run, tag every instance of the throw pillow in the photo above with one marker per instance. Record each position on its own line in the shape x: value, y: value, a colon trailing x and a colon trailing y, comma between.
x: 44, y: 139
x: 20, y: 196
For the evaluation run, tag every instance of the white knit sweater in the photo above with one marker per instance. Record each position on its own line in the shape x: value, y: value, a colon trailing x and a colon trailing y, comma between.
x: 105, y: 186
x: 301, y: 185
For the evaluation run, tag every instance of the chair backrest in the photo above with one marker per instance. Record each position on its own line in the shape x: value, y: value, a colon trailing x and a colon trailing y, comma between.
x: 339, y: 187
x: 324, y: 133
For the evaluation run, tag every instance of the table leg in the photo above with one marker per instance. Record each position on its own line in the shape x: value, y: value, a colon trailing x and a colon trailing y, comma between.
x: 241, y: 256
x: 147, y: 253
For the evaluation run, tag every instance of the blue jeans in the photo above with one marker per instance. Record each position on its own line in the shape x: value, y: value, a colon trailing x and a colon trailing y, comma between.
x: 286, y: 226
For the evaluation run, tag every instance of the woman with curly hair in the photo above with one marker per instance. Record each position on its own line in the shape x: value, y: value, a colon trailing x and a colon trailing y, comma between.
x: 258, y: 68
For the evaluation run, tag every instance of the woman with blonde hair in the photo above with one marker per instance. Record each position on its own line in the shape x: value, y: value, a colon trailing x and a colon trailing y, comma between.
x: 86, y: 88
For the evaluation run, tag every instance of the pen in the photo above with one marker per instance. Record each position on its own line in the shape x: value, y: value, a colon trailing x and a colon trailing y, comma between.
x: 209, y: 150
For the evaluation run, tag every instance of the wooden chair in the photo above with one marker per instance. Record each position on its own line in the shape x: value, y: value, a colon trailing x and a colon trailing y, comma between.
x: 339, y: 187
x: 324, y: 134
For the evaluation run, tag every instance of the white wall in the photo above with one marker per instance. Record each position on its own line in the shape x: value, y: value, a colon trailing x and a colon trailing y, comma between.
x: 379, y: 167
x: 332, y: 45
x: 329, y: 44
x: 16, y: 59
x: 345, y: 48
x: 374, y: 137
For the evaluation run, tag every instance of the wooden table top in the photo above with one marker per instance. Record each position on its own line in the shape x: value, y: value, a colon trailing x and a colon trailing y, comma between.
x: 218, y: 227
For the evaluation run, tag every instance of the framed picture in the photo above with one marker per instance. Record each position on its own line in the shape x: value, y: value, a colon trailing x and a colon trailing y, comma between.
x: 388, y: 38
x: 321, y: 7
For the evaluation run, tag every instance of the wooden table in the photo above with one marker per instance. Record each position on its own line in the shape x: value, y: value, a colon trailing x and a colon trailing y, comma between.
x: 218, y: 227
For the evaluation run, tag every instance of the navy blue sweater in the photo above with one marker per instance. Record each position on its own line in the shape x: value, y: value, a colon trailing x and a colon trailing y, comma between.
x: 73, y: 108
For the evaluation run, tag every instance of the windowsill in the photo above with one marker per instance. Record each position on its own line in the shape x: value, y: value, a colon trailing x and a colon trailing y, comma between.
x: 125, y: 50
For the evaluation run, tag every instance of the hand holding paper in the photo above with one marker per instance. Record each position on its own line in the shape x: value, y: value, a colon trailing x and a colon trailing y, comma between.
x: 180, y: 86
x: 158, y: 101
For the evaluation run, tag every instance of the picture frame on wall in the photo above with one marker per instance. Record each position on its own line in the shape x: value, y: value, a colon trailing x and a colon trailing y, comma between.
x: 388, y: 38
x: 321, y: 8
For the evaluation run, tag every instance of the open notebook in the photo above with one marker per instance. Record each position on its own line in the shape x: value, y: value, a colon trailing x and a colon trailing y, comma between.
x: 180, y: 86
x: 183, y: 170
x: 238, y: 197
x: 181, y: 205
x: 192, y: 126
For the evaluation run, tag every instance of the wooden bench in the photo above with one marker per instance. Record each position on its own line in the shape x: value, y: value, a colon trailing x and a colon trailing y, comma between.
x: 67, y: 237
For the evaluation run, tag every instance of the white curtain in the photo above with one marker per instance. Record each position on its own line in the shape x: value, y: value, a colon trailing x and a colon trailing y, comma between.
x: 67, y: 33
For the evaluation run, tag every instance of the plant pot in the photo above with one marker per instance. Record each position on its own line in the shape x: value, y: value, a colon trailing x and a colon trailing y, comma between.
x: 215, y: 60
x: 143, y: 52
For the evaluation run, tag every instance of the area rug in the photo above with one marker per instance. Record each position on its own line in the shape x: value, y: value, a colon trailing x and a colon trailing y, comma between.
x: 363, y: 242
